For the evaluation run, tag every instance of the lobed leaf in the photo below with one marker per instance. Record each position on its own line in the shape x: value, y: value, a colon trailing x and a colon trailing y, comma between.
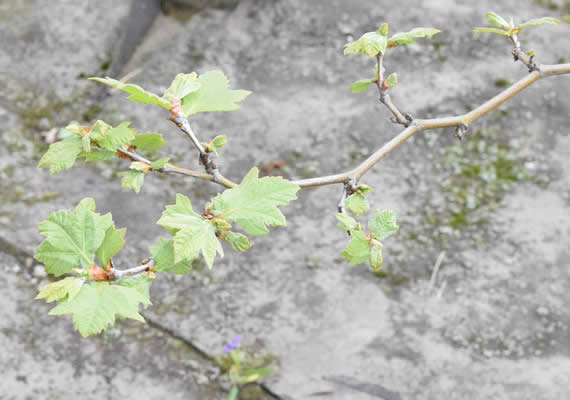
x: 383, y: 224
x: 360, y: 86
x: 62, y: 155
x: 163, y: 254
x: 136, y: 92
x: 371, y: 44
x: 253, y: 203
x: 97, y: 305
x: 198, y: 236
x: 214, y: 95
x: 538, y: 21
x: 178, y: 216
x: 71, y: 238
x: 182, y: 85
x: 60, y: 289
x: 97, y: 154
x: 115, y: 137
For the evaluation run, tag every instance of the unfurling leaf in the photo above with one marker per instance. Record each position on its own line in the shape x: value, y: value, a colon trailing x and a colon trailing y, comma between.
x: 253, y: 203
x: 363, y: 188
x: 360, y: 86
x: 60, y: 289
x: 136, y: 92
x: 132, y: 180
x: 112, y: 243
x: 161, y: 162
x: 383, y: 224
x: 383, y: 30
x: 216, y: 143
x: 148, y: 141
x: 538, y: 21
x: 192, y: 233
x: 97, y: 305
x: 181, y: 86
x: 371, y: 44
x: 214, y: 95
x: 71, y: 238
x: 238, y: 241
x: 62, y: 155
x: 163, y: 254
x: 375, y: 256
x: 357, y: 250
x: 492, y: 30
x: 497, y: 20
x: 408, y: 37
x: 392, y: 80
x: 115, y: 137
x: 357, y: 203
x: 346, y: 222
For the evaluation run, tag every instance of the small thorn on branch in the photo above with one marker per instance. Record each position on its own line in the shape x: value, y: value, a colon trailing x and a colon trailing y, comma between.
x: 461, y: 131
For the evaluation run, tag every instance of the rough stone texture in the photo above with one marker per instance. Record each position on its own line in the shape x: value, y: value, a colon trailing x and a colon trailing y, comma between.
x: 494, y: 326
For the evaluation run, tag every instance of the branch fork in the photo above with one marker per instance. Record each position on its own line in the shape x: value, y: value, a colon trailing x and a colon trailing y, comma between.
x: 520, y: 55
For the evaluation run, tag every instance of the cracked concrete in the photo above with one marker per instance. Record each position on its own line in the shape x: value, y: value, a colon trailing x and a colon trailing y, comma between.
x: 496, y: 325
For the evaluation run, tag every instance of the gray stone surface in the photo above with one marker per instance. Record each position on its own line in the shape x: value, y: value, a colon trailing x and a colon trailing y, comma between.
x: 495, y: 324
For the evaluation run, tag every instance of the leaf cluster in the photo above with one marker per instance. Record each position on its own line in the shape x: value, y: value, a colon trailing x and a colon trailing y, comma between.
x: 205, y: 93
x: 509, y: 29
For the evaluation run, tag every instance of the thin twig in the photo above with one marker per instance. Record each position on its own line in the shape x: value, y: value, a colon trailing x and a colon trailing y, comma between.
x: 435, y: 269
x: 520, y: 55
x: 416, y: 126
x: 116, y: 274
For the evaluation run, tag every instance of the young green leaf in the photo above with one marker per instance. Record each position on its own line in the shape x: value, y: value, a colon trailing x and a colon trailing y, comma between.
x: 115, y: 137
x: 346, y: 222
x: 177, y: 216
x: 408, y: 37
x: 71, y: 238
x: 141, y: 283
x: 214, y: 95
x: 97, y: 305
x: 383, y: 30
x: 383, y: 224
x: 136, y: 92
x: 112, y: 243
x: 492, y: 30
x: 192, y: 233
x: 253, y: 203
x: 86, y: 143
x: 181, y: 86
x: 62, y: 155
x: 371, y: 44
x: 357, y: 203
x: 375, y: 256
x: 238, y: 241
x: 198, y: 236
x: 132, y: 180
x: 157, y: 164
x: 497, y: 20
x: 392, y: 80
x: 357, y: 250
x: 97, y: 154
x: 360, y: 86
x: 163, y: 254
x: 58, y: 290
x: 538, y: 21
x: 148, y: 141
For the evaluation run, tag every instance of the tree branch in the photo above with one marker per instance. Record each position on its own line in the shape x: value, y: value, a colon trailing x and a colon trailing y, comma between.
x: 416, y: 125
x: 115, y: 274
